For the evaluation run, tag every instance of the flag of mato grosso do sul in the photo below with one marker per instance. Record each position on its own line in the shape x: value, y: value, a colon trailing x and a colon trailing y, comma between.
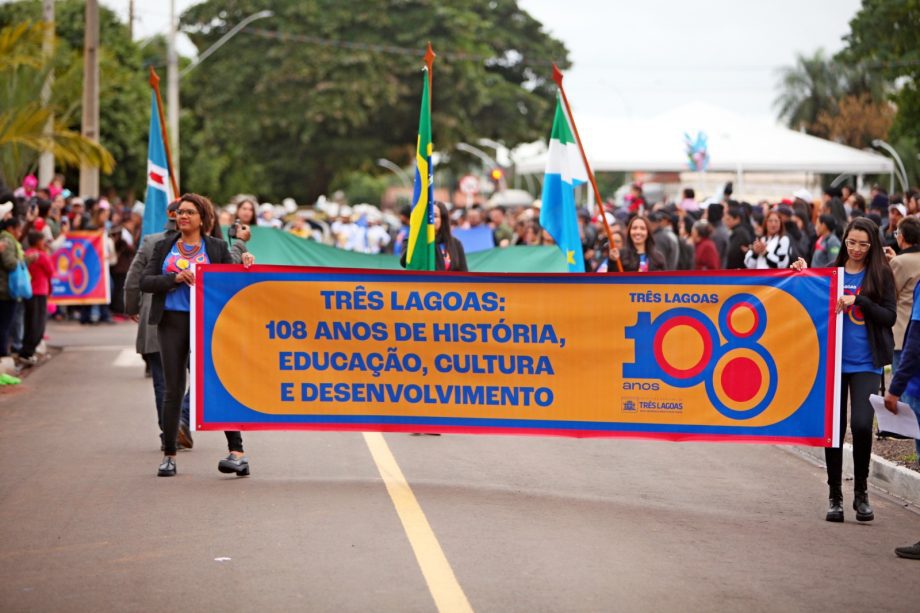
x: 565, y: 170
x: 159, y: 192
x: 420, y: 249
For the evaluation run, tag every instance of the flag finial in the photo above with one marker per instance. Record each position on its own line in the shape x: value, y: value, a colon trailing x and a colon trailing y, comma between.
x: 429, y: 56
x: 557, y: 75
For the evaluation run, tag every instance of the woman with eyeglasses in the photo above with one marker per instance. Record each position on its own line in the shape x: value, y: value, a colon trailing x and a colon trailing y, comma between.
x: 869, y: 306
x: 169, y: 277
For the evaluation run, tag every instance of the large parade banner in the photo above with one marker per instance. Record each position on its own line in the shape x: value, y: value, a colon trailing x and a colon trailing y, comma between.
x: 724, y: 356
x: 81, y: 270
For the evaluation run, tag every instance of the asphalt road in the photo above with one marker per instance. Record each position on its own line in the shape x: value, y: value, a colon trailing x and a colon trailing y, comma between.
x: 323, y: 524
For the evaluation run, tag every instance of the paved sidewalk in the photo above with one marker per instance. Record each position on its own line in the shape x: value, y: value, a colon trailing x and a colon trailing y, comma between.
x: 895, y: 480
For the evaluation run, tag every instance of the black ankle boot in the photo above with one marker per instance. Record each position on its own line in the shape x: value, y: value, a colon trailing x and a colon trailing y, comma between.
x: 861, y: 502
x: 835, y: 504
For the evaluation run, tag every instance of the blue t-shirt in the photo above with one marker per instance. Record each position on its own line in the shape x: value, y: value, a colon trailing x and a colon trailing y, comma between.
x: 857, y: 353
x: 179, y: 299
x: 913, y: 386
x: 643, y: 262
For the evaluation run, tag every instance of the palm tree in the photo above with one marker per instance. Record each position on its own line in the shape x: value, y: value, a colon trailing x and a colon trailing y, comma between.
x: 23, y: 69
x: 809, y: 88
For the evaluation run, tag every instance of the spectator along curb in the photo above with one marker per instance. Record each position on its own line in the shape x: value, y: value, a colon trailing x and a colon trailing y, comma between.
x: 896, y: 480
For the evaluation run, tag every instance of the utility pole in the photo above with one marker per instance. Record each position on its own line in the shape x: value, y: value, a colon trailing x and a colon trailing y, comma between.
x: 46, y: 159
x: 131, y: 19
x: 172, y: 88
x: 89, y: 175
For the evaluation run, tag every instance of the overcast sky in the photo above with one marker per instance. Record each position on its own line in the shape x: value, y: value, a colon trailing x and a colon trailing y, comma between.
x: 642, y: 58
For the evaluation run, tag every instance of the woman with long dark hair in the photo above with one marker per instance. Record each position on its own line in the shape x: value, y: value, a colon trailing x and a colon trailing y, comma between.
x: 169, y: 276
x: 448, y: 251
x: 639, y: 253
x: 449, y: 255
x: 869, y: 304
x: 246, y: 213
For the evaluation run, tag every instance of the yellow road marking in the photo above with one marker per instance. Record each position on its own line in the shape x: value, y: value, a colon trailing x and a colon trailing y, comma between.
x: 446, y: 591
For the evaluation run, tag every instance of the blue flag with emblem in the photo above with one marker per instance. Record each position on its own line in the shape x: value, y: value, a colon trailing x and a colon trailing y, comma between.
x: 159, y: 193
x: 564, y: 172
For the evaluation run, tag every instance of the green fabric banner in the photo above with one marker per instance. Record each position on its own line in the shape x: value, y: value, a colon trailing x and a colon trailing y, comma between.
x: 271, y: 246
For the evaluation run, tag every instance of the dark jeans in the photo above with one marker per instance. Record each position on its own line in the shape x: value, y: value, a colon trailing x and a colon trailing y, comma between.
x: 173, y: 335
x: 159, y: 384
x: 94, y: 313
x: 6, y: 322
x: 16, y: 328
x: 905, y: 397
x: 36, y: 316
x: 186, y: 408
x: 857, y: 387
x: 118, y: 292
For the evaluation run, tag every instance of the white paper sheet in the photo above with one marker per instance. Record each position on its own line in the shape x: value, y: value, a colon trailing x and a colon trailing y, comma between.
x: 904, y: 423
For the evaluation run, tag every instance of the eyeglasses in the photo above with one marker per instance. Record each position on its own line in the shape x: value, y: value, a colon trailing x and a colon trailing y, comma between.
x: 851, y: 244
x: 897, y: 233
x: 186, y: 212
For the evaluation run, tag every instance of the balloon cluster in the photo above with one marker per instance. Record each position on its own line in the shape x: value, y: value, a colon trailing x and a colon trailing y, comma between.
x: 697, y: 151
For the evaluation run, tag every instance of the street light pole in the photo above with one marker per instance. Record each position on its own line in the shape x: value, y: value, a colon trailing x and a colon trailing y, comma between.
x: 173, y: 75
x: 482, y: 155
x: 223, y: 39
x: 902, y: 176
x: 399, y: 172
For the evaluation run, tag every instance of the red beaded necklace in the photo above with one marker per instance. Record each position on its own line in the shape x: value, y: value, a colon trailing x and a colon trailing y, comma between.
x: 188, y: 251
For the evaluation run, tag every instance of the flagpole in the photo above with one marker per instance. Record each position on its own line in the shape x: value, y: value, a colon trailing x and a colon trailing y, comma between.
x: 429, y: 62
x: 557, y: 77
x: 155, y: 84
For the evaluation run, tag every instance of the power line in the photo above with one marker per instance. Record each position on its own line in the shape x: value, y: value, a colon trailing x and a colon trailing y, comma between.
x: 416, y: 52
x: 289, y: 37
x: 389, y: 49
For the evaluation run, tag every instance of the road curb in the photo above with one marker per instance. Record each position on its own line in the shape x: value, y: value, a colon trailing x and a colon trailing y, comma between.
x: 883, y: 474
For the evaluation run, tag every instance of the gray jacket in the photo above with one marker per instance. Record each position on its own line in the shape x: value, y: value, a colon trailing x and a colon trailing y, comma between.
x: 666, y: 242
x: 138, y: 302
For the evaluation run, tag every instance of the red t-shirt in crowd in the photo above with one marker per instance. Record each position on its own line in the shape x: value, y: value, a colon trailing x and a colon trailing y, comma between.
x: 41, y: 271
x: 707, y: 256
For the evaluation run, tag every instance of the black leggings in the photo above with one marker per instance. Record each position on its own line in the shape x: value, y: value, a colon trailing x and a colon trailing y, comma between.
x: 7, y: 309
x: 173, y: 335
x: 857, y: 386
x: 35, y: 317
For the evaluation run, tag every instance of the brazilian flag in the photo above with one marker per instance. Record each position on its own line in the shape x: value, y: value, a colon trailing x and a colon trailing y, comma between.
x: 420, y: 250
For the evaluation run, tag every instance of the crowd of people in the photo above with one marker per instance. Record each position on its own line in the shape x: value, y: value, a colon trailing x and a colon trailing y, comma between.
x: 876, y: 240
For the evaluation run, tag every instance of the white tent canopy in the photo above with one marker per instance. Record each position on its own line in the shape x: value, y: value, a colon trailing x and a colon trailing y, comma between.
x: 735, y: 144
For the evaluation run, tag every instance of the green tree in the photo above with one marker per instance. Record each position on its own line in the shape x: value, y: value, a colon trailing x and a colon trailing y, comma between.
x: 23, y: 117
x: 809, y: 89
x: 335, y: 88
x: 123, y: 92
x: 818, y: 94
x: 883, y: 39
